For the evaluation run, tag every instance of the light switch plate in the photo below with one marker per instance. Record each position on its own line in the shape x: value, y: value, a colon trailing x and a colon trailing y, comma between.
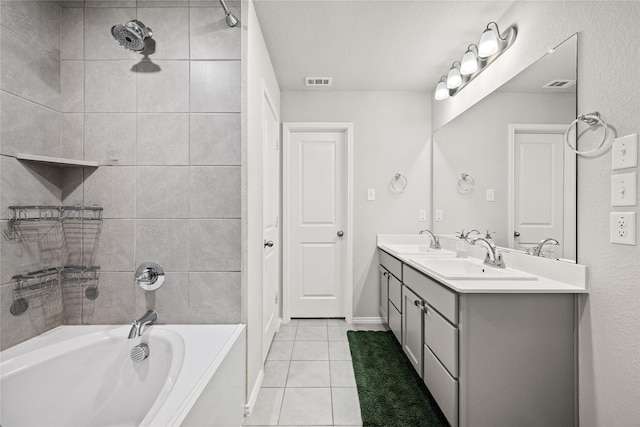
x: 623, y: 228
x: 438, y: 215
x: 491, y: 195
x: 371, y: 194
x: 624, y: 152
x: 422, y: 215
x: 623, y: 189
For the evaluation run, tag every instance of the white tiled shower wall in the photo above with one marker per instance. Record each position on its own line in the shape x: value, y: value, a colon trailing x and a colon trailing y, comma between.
x: 166, y: 132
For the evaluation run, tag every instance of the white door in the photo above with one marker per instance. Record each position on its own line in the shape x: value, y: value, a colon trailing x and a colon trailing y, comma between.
x: 317, y: 194
x: 270, y: 205
x: 538, y: 186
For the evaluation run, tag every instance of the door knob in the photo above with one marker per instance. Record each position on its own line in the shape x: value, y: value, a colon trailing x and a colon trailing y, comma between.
x: 516, y: 234
x: 268, y: 243
x: 340, y: 233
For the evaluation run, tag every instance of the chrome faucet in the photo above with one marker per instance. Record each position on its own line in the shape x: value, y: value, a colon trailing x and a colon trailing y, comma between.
x: 435, y: 242
x: 136, y: 326
x: 493, y: 257
x: 538, y: 249
x: 465, y: 236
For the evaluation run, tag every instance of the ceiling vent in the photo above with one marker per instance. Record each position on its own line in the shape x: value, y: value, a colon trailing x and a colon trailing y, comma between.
x: 559, y: 84
x: 318, y: 81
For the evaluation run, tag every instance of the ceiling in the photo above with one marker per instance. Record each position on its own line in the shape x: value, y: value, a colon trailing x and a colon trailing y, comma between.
x: 371, y: 45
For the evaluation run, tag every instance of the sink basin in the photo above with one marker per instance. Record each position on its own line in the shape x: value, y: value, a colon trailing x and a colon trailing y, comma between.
x: 416, y: 248
x: 467, y: 269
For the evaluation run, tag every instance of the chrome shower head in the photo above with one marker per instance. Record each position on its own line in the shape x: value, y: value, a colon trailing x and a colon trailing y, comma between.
x: 131, y: 35
x: 232, y: 21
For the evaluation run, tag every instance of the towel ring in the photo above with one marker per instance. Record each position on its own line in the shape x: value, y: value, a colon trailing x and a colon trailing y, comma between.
x: 591, y: 119
x: 398, y: 183
x: 465, y: 183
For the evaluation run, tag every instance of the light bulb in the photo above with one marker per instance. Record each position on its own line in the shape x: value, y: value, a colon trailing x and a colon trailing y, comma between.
x: 488, y: 43
x: 454, y: 79
x: 469, y: 63
x: 442, y: 91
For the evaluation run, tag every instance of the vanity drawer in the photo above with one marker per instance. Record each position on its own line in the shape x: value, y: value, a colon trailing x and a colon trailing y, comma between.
x: 395, y: 322
x: 395, y: 293
x: 442, y: 386
x: 435, y: 294
x: 442, y: 339
x: 392, y: 265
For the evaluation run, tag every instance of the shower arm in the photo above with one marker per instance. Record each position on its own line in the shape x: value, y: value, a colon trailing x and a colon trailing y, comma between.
x: 224, y: 6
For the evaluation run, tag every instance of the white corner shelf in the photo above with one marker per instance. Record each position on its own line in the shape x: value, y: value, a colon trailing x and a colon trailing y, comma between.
x: 57, y: 161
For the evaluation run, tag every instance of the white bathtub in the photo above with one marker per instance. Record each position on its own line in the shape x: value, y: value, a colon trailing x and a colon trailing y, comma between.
x: 84, y: 376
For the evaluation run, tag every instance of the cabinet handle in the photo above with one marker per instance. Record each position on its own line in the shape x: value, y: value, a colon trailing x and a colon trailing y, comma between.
x: 385, y: 274
x: 418, y: 303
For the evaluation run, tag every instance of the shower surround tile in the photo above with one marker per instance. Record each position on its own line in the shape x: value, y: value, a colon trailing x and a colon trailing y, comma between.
x: 72, y: 33
x: 215, y: 86
x: 163, y: 241
x: 162, y: 139
x: 215, y: 139
x: 171, y: 24
x: 72, y: 86
x: 38, y: 22
x: 115, y: 303
x: 98, y: 41
x: 210, y: 36
x: 72, y: 135
x: 165, y: 91
x: 214, y: 192
x: 26, y: 127
x: 214, y: 245
x: 162, y: 192
x: 110, y: 139
x: 171, y: 301
x: 115, y: 248
x: 110, y: 87
x: 113, y: 188
x: 214, y: 297
x: 29, y: 72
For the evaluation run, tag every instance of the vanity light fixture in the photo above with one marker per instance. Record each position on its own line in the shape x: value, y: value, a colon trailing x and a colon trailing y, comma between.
x: 442, y: 91
x: 469, y: 63
x: 454, y: 78
x: 477, y: 57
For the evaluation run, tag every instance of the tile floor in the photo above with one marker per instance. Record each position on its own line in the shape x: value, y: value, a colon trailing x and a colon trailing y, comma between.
x: 308, y: 377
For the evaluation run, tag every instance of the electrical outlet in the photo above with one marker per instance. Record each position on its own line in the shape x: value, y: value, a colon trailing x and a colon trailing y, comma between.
x: 623, y: 189
x: 438, y: 215
x: 491, y: 195
x: 624, y: 152
x: 623, y: 228
x: 371, y: 194
x: 422, y: 215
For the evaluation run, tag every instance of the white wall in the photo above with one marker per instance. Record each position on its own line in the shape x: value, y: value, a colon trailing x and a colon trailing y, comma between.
x: 608, y: 63
x: 391, y: 134
x: 476, y: 143
x: 259, y: 77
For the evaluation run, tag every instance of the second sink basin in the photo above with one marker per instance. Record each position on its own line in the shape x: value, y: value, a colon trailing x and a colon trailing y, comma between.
x: 416, y: 248
x: 467, y: 269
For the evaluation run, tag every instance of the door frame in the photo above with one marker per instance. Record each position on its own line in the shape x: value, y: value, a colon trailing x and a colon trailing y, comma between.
x: 569, y: 180
x: 287, y: 129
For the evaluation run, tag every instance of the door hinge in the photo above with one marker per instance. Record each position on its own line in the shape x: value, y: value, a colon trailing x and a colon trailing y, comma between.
x: 276, y: 298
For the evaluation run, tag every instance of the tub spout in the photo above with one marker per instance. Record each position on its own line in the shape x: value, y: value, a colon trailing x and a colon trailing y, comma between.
x: 136, y: 326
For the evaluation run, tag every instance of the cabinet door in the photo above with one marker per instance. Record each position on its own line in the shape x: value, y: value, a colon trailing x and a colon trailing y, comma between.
x: 412, y: 328
x: 395, y: 293
x: 395, y: 322
x: 384, y: 295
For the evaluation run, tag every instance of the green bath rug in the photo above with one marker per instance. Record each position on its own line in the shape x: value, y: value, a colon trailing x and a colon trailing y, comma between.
x: 391, y: 392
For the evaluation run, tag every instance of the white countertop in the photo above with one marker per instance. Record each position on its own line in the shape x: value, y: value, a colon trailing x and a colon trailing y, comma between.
x: 552, y: 276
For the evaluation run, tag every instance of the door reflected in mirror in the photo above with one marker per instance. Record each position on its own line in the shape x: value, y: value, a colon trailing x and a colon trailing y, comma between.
x: 511, y: 144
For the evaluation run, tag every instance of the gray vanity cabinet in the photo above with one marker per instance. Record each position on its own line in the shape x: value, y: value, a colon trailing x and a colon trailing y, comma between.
x: 390, y: 293
x: 412, y: 328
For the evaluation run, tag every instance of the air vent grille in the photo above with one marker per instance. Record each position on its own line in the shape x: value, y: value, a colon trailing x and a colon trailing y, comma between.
x: 318, y: 81
x: 559, y: 84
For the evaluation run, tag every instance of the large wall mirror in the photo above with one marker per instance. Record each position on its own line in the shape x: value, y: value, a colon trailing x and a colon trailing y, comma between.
x: 502, y: 165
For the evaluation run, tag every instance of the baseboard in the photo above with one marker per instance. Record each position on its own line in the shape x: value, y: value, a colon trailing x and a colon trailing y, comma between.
x: 369, y: 320
x: 248, y: 408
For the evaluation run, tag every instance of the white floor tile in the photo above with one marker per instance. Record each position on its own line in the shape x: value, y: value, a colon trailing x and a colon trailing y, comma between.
x: 342, y: 374
x: 310, y: 350
x: 280, y: 350
x: 311, y: 333
x: 309, y: 374
x: 275, y: 373
x: 338, y: 333
x: 339, y: 350
x: 346, y: 407
x: 266, y: 411
x: 312, y: 322
x: 306, y: 407
x: 339, y: 322
x: 286, y: 333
